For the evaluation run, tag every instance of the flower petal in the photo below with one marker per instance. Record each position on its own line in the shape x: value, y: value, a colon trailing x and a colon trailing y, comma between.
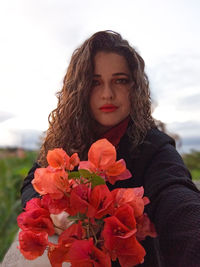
x: 73, y: 161
x: 57, y: 158
x: 145, y: 227
x: 126, y: 215
x: 102, y: 154
x: 32, y: 244
x: 51, y: 181
x: 116, y: 168
x: 57, y: 254
x: 132, y: 254
x: 55, y: 206
x: 123, y: 176
x: 101, y: 199
x: 131, y: 196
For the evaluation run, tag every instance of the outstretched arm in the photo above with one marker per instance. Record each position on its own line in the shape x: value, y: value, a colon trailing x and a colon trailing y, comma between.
x: 174, y: 208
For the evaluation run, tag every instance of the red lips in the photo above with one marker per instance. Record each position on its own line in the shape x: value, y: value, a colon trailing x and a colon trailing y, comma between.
x: 108, y: 108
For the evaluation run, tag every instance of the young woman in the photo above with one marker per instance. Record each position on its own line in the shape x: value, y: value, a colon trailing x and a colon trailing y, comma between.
x: 106, y: 94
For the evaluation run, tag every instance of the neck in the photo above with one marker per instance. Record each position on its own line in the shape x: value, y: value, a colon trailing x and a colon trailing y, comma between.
x: 115, y: 133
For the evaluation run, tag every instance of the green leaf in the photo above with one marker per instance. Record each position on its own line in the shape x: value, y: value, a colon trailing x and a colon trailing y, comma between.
x: 85, y: 173
x: 92, y: 177
x: 72, y: 175
x: 97, y: 180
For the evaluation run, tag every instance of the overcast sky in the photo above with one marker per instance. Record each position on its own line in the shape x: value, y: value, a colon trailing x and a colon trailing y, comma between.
x: 38, y: 37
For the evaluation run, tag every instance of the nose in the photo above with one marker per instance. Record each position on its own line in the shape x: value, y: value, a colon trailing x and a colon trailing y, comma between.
x: 107, y: 91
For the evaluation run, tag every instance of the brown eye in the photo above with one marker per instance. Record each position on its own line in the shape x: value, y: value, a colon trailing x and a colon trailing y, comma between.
x: 95, y: 83
x: 122, y: 81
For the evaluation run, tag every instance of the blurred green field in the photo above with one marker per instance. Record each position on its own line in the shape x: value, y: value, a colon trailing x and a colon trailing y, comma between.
x: 14, y: 167
x: 192, y: 161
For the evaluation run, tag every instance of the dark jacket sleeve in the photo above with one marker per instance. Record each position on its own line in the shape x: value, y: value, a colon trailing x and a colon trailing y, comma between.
x: 174, y: 208
x: 27, y: 190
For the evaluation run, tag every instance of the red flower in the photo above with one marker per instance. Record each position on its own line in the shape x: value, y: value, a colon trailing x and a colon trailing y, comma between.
x: 119, y: 235
x: 79, y: 201
x: 73, y: 161
x: 55, y: 206
x: 51, y: 181
x: 34, y: 203
x: 74, y: 232
x: 32, y: 244
x: 58, y: 159
x: 114, y: 175
x: 133, y: 197
x: 37, y: 219
x: 132, y: 254
x: 101, y: 199
x: 145, y: 227
x: 59, y: 253
x: 102, y: 161
x: 115, y: 236
x: 120, y: 226
x: 83, y: 253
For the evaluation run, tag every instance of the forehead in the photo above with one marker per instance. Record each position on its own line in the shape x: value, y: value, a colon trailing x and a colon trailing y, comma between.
x: 110, y: 62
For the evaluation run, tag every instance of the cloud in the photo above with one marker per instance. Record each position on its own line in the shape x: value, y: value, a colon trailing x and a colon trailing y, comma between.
x: 176, y: 75
x: 175, y: 84
x: 5, y: 116
x: 27, y: 139
x: 190, y: 103
x: 193, y: 142
x: 189, y: 134
x: 186, y: 129
x: 189, y: 144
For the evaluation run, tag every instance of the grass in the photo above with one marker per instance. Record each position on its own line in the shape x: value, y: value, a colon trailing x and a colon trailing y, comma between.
x: 195, y: 174
x: 192, y: 161
x: 12, y: 172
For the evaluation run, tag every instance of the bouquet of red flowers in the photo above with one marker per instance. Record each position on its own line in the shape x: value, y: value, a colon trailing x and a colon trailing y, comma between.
x: 105, y: 225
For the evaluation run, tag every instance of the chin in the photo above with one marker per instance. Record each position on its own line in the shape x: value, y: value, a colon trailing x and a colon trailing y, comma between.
x: 108, y: 125
x: 102, y: 128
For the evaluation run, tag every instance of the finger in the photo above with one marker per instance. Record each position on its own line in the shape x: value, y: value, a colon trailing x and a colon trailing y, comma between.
x: 61, y: 221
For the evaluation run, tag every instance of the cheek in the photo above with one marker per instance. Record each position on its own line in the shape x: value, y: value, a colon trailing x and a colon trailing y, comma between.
x: 128, y: 107
x: 126, y: 100
x: 93, y: 100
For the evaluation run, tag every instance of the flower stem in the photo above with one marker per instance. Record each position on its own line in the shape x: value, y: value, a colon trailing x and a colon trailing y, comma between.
x: 94, y: 235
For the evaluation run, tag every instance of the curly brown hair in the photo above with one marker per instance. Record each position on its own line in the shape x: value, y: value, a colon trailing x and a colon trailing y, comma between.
x: 71, y: 124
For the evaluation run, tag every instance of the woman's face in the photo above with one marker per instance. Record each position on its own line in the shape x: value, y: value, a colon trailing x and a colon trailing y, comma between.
x: 109, y: 99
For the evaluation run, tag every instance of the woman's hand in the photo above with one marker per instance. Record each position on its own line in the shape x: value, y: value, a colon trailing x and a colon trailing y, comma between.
x: 61, y: 222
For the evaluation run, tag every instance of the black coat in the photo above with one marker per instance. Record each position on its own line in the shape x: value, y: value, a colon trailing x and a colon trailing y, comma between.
x: 174, y: 200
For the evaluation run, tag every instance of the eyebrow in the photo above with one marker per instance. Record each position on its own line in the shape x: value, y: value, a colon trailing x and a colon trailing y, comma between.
x: 114, y: 74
